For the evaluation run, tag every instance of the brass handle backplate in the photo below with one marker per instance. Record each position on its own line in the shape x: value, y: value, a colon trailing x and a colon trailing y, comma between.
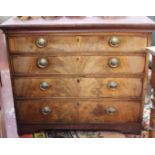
x: 111, y: 110
x: 114, y: 41
x: 46, y: 110
x: 44, y: 85
x: 41, y: 42
x: 42, y: 63
x: 114, y: 62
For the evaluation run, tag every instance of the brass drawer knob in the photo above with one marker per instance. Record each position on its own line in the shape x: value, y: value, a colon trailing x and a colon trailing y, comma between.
x: 111, y: 110
x: 42, y: 63
x: 41, y: 42
x: 46, y: 110
x: 44, y: 85
x: 114, y: 41
x: 114, y: 62
x: 112, y: 85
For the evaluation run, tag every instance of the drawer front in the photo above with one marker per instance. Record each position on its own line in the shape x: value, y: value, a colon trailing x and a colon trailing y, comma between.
x: 78, y: 64
x: 78, y: 87
x: 62, y: 111
x: 109, y: 112
x: 77, y: 43
x: 46, y: 111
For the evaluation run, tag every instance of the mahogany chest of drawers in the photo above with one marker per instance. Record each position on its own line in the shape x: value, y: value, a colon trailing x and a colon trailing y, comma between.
x: 85, y: 74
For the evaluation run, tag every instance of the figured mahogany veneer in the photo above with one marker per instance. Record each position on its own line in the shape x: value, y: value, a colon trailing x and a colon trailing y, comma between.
x: 78, y: 87
x: 77, y: 42
x: 96, y: 65
x: 64, y: 111
x: 86, y: 75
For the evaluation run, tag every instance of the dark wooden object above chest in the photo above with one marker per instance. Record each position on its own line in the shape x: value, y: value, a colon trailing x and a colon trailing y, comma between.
x: 85, y: 73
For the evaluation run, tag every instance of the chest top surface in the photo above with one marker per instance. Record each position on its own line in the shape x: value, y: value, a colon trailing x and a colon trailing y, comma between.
x: 81, y: 22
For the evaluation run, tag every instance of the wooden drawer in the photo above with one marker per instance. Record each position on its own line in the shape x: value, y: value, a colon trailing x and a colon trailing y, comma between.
x: 67, y: 111
x: 79, y: 64
x: 109, y: 111
x: 78, y: 42
x: 77, y: 87
x: 36, y: 111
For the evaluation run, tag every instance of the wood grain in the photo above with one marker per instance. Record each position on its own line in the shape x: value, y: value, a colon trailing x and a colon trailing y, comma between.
x: 61, y: 111
x: 78, y: 64
x: 78, y: 87
x: 29, y: 112
x: 75, y: 42
x: 78, y: 52
x: 94, y: 112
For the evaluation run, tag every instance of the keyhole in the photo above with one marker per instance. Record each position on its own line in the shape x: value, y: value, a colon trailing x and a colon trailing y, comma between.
x: 77, y: 59
x: 78, y: 80
x: 78, y: 103
x: 78, y: 39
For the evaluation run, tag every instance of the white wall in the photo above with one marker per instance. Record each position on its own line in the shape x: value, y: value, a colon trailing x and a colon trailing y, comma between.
x: 3, y: 18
